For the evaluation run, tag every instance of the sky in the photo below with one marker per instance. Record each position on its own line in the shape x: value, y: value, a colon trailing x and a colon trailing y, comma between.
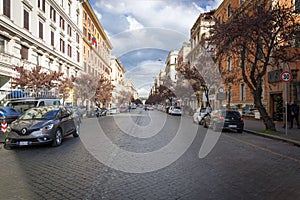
x: 143, y: 32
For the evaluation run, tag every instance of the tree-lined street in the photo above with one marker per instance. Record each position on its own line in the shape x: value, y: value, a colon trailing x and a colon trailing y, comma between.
x: 240, y: 166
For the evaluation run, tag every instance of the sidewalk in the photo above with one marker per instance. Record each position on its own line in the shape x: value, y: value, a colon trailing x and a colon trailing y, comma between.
x: 257, y: 127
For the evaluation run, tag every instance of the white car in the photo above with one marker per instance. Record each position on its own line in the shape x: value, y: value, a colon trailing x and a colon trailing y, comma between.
x: 113, y: 110
x: 203, y: 112
x: 175, y: 110
x: 199, y: 115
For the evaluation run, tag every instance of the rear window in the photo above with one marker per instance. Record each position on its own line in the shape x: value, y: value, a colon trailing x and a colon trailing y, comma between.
x: 232, y: 114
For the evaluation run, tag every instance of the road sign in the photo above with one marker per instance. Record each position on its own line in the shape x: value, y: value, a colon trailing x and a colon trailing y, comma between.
x: 286, y: 76
x: 221, y: 89
x: 3, y: 126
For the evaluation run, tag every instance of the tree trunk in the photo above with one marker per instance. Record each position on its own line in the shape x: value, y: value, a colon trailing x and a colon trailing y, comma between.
x: 270, y: 125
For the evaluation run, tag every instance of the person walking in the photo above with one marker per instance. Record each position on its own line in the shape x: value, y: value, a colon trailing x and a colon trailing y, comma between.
x: 294, y: 114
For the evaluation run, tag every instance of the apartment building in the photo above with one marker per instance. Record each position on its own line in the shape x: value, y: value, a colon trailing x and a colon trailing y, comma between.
x: 274, y: 90
x: 171, y: 64
x: 96, y: 45
x: 39, y: 33
x: 117, y: 77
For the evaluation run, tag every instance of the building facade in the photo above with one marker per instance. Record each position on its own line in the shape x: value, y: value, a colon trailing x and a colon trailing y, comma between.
x: 96, y: 45
x: 39, y: 33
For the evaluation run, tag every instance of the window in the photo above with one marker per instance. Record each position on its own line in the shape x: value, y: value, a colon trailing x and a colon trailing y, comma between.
x: 229, y: 10
x: 297, y: 6
x: 84, y: 15
x: 77, y: 38
x: 41, y: 33
x: 52, y: 38
x: 6, y: 8
x: 26, y: 20
x: 62, y: 23
x: 62, y: 45
x: 52, y: 14
x: 2, y: 44
x: 242, y: 92
x: 24, y: 52
x: 84, y: 31
x: 78, y: 56
x: 69, y: 30
x: 89, y: 37
x: 229, y: 63
x: 69, y: 6
x: 297, y: 39
x: 42, y: 5
x: 69, y: 51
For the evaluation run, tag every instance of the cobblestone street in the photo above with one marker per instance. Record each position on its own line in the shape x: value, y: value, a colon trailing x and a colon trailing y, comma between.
x: 240, y: 166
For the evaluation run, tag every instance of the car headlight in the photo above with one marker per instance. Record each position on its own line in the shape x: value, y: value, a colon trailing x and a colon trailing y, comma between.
x: 46, y: 128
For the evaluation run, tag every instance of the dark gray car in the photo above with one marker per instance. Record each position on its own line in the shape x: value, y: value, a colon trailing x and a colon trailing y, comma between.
x: 46, y: 124
x: 224, y: 119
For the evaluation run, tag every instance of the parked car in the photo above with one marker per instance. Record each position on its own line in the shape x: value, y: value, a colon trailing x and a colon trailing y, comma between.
x: 175, y: 110
x: 42, y: 125
x: 113, y: 110
x: 23, y: 104
x: 203, y: 112
x: 224, y: 119
x: 103, y: 111
x: 123, y: 109
x: 9, y: 114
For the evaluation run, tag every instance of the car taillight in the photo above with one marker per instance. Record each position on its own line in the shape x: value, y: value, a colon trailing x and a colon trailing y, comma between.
x: 222, y: 118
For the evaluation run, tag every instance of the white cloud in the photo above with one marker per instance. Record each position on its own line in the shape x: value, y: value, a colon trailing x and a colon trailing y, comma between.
x: 143, y: 92
x: 133, y: 23
x: 148, y: 24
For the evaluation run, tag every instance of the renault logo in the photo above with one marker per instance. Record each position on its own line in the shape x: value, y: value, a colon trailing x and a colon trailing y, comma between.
x: 24, y: 131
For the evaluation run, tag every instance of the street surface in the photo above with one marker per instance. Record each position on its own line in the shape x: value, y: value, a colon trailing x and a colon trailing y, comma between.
x: 152, y: 155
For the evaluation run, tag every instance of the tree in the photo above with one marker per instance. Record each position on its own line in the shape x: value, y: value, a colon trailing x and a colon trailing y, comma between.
x: 259, y: 36
x: 85, y: 87
x: 66, y: 84
x: 36, y: 79
x: 103, y: 91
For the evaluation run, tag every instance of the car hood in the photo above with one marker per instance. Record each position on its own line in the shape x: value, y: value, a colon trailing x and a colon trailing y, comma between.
x: 34, y: 124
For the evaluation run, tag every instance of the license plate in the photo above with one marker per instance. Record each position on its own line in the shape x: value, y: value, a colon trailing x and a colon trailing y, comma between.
x: 232, y: 126
x: 23, y: 143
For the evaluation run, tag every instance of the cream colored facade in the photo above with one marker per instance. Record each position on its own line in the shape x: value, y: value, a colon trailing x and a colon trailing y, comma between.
x: 40, y: 32
x: 96, y: 45
x: 117, y: 76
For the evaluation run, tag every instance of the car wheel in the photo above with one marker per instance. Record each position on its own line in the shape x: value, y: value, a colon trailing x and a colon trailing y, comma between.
x: 57, y: 138
x: 205, y: 124
x: 240, y: 130
x: 201, y: 122
x: 7, y: 147
x: 77, y: 130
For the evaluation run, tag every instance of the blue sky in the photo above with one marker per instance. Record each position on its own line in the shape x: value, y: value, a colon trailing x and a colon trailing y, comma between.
x: 143, y: 32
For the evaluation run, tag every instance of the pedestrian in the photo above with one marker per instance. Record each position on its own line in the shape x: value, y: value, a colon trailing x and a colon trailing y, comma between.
x: 294, y: 114
x: 288, y: 119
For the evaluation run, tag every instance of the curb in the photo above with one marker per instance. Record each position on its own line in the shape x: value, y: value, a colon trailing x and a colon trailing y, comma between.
x: 297, y: 143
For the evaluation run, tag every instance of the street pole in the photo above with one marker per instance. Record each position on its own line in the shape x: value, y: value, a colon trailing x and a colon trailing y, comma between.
x: 286, y: 107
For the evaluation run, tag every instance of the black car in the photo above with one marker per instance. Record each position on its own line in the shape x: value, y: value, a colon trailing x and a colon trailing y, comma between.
x: 224, y: 119
x: 46, y: 124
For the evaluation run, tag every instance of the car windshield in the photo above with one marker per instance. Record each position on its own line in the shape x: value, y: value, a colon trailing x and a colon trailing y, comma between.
x: 40, y: 113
